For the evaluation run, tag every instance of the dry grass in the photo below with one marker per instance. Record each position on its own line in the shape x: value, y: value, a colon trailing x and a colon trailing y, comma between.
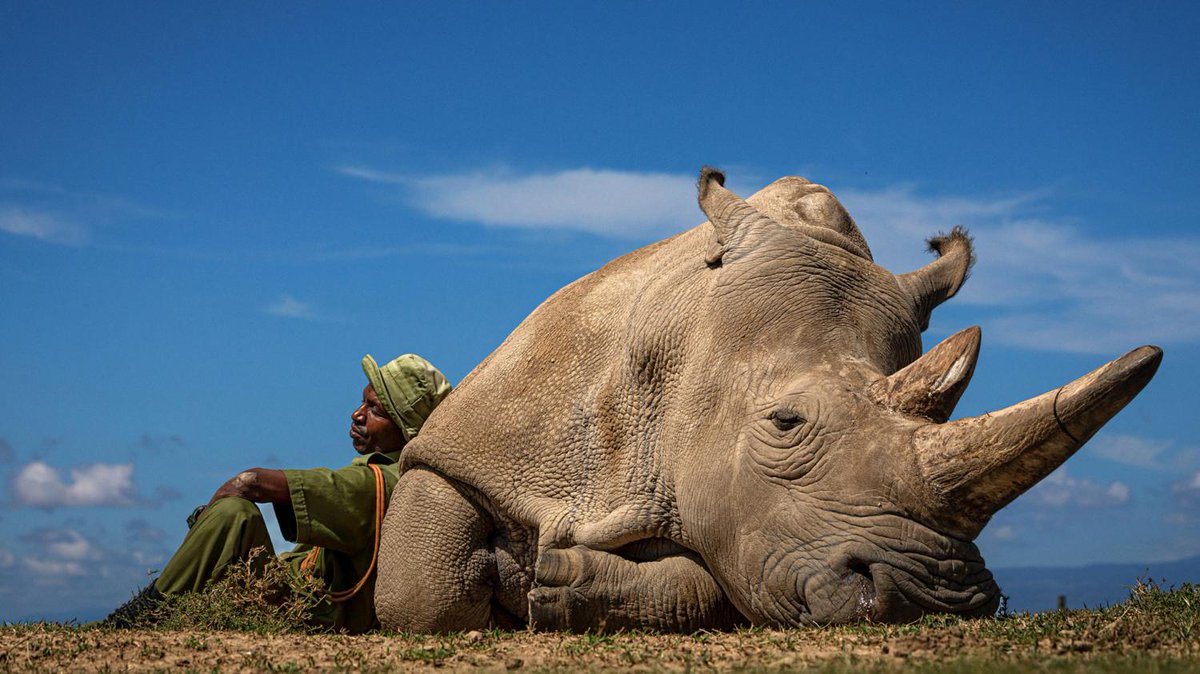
x: 1154, y: 631
x: 261, y: 594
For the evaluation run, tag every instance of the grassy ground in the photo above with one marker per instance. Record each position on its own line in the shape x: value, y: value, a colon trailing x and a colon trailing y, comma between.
x: 1154, y: 631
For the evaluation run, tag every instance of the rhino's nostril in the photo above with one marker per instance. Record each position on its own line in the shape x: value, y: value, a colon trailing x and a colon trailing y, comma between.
x: 858, y: 574
x: 859, y: 568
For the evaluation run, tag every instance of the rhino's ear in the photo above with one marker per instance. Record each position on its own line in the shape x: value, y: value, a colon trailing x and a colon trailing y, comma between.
x: 730, y: 215
x: 931, y: 386
x: 939, y: 280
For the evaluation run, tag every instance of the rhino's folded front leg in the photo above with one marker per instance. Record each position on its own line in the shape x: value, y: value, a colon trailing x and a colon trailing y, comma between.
x: 582, y: 589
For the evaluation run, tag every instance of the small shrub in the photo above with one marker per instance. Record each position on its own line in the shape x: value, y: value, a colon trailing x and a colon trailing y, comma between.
x: 260, y: 594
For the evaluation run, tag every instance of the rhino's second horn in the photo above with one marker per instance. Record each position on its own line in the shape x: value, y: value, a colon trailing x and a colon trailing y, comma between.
x: 931, y: 386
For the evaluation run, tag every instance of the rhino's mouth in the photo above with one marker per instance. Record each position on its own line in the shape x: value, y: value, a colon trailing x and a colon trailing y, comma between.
x: 890, y: 586
x: 853, y: 582
x: 904, y: 596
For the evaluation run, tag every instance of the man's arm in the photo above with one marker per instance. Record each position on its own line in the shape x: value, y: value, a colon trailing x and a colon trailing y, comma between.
x: 260, y: 485
x: 334, y: 509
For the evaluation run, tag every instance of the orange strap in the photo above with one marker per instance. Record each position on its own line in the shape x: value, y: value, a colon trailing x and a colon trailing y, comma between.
x: 307, y: 564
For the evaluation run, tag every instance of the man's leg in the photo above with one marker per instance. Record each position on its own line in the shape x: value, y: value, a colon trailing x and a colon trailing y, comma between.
x: 227, y: 531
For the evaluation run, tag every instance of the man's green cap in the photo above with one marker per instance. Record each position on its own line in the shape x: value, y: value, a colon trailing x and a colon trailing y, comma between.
x: 409, y: 388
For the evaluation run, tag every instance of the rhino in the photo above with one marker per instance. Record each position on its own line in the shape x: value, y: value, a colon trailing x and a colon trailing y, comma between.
x: 733, y: 425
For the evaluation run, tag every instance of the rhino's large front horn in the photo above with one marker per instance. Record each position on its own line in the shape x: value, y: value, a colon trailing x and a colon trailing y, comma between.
x: 978, y: 465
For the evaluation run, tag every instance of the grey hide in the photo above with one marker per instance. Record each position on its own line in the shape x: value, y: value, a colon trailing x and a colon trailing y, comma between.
x: 733, y: 425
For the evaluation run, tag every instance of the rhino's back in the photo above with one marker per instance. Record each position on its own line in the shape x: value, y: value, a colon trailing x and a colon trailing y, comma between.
x: 541, y: 426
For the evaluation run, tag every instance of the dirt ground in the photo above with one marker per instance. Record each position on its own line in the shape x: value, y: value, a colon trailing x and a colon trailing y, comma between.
x: 959, y: 647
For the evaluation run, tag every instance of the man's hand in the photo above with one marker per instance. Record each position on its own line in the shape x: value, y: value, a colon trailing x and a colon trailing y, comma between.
x: 261, y: 485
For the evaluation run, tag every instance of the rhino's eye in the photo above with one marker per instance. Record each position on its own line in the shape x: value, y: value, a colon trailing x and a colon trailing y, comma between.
x: 786, y: 419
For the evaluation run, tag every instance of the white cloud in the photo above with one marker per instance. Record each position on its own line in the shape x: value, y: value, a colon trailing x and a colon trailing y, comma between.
x: 63, y: 544
x: 58, y: 568
x: 374, y: 176
x: 624, y: 204
x: 72, y: 545
x: 42, y: 225
x: 42, y: 486
x: 148, y: 559
x: 57, y: 215
x: 1131, y: 450
x: 1060, y: 489
x: 290, y: 307
x: 1003, y: 533
x: 53, y: 568
x: 60, y: 552
x: 1187, y: 492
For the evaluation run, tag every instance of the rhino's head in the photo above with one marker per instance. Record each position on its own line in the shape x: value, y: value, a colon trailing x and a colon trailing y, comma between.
x: 836, y: 489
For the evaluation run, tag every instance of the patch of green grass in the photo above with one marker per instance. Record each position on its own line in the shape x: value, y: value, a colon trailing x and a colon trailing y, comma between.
x: 1151, y: 617
x: 589, y: 642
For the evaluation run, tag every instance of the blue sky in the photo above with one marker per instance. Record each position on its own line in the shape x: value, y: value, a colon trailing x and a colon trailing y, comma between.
x: 209, y: 213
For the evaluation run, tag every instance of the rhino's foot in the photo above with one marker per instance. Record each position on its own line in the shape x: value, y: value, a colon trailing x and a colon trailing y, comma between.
x: 582, y: 590
x: 552, y: 609
x: 559, y: 600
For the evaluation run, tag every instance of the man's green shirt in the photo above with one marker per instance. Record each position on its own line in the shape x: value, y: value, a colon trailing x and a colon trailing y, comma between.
x: 335, y: 510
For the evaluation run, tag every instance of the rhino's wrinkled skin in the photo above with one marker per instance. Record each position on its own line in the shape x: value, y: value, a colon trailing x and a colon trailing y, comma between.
x: 734, y: 424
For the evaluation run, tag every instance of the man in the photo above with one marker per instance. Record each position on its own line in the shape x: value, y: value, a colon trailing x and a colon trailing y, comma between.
x: 333, y: 514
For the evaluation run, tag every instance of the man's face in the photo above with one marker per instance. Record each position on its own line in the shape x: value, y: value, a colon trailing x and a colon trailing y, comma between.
x: 371, y: 429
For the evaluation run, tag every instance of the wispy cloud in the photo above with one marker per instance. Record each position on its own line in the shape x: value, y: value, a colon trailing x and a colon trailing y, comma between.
x: 42, y: 225
x: 1004, y: 533
x: 409, y: 249
x: 92, y: 201
x: 1060, y: 489
x: 40, y: 485
x: 290, y: 307
x: 625, y: 204
x: 64, y: 544
x: 57, y: 215
x: 375, y: 176
x: 1187, y: 491
x: 54, y: 569
x: 1131, y: 450
x: 76, y: 570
